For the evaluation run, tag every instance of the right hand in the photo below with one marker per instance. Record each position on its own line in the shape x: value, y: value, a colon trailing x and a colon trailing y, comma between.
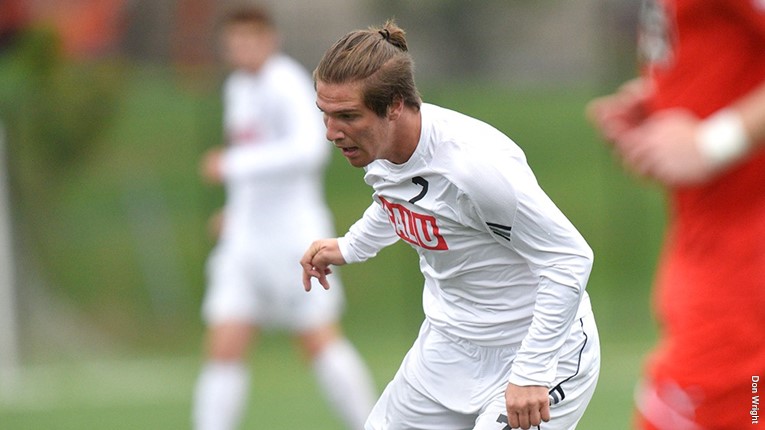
x: 317, y: 259
x: 210, y: 168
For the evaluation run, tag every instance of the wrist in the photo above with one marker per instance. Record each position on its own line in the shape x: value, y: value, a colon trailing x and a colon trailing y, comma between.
x: 722, y: 138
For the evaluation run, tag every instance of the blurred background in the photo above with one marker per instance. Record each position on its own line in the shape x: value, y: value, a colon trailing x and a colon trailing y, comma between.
x: 105, y: 109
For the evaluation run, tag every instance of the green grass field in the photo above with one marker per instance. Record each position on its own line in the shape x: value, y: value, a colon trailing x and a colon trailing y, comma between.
x: 93, y: 250
x: 155, y: 392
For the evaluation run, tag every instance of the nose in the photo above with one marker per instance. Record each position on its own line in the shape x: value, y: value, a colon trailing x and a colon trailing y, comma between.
x: 333, y: 132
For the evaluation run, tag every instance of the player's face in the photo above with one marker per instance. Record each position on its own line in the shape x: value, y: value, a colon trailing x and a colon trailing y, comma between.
x: 356, y: 130
x: 248, y: 46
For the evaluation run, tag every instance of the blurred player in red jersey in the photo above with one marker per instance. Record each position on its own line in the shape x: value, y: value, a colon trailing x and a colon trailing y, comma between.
x: 695, y: 123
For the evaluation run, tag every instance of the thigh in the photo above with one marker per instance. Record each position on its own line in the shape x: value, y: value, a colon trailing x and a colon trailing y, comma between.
x: 402, y: 407
x: 563, y: 416
x: 578, y: 371
x: 312, y: 342
x: 229, y: 341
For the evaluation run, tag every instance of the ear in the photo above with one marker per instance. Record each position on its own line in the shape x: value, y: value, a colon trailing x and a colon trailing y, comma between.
x: 395, y: 109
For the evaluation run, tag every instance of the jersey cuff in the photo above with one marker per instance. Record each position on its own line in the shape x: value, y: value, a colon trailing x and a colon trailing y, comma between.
x: 523, y: 381
x: 346, y: 250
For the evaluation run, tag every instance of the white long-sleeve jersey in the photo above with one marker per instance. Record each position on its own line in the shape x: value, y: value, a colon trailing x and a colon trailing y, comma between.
x: 274, y: 161
x: 502, y: 264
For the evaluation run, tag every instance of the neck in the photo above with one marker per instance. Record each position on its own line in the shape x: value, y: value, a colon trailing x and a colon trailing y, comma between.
x: 406, y: 136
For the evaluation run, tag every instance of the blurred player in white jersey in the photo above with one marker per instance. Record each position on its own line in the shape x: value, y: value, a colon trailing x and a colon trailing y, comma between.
x: 509, y: 339
x: 272, y: 169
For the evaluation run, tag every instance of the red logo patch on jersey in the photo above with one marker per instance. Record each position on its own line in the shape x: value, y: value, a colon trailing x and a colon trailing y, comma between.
x: 244, y: 136
x: 417, y: 229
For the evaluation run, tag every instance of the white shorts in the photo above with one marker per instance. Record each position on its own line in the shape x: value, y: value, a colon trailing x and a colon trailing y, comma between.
x: 448, y: 383
x: 264, y: 287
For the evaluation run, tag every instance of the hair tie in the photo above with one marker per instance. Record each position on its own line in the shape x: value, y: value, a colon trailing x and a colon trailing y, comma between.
x: 385, y: 34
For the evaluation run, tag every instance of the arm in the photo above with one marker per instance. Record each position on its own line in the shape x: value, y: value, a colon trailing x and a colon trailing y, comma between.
x: 317, y: 259
x: 701, y: 149
x: 364, y: 240
x: 556, y: 254
x: 368, y: 235
x: 299, y: 144
x: 560, y: 259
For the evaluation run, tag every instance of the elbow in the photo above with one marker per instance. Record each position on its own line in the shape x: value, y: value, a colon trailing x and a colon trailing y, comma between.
x: 579, y: 267
x: 586, y: 262
x: 588, y: 259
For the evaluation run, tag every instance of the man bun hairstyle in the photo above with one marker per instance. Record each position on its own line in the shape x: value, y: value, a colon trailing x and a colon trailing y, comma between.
x: 377, y: 57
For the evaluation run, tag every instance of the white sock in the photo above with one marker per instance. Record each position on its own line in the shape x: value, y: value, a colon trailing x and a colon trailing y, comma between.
x: 220, y: 396
x: 346, y: 382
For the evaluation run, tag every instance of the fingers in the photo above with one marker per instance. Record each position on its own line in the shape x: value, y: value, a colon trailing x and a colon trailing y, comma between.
x: 529, y: 418
x: 323, y: 278
x: 319, y: 274
x: 545, y: 412
x: 312, y: 271
x: 307, y: 275
x: 315, y: 266
x: 527, y: 407
x: 602, y: 114
x: 309, y: 268
x: 609, y: 117
x: 619, y: 112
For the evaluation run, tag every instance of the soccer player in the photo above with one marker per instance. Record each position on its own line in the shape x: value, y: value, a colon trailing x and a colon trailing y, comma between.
x: 509, y: 338
x: 272, y: 169
x: 695, y: 123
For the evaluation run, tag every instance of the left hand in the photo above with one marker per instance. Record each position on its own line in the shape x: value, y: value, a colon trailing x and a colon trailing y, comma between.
x: 527, y: 406
x: 665, y: 148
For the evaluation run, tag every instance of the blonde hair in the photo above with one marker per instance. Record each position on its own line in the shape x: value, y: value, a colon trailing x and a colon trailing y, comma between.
x: 380, y: 59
